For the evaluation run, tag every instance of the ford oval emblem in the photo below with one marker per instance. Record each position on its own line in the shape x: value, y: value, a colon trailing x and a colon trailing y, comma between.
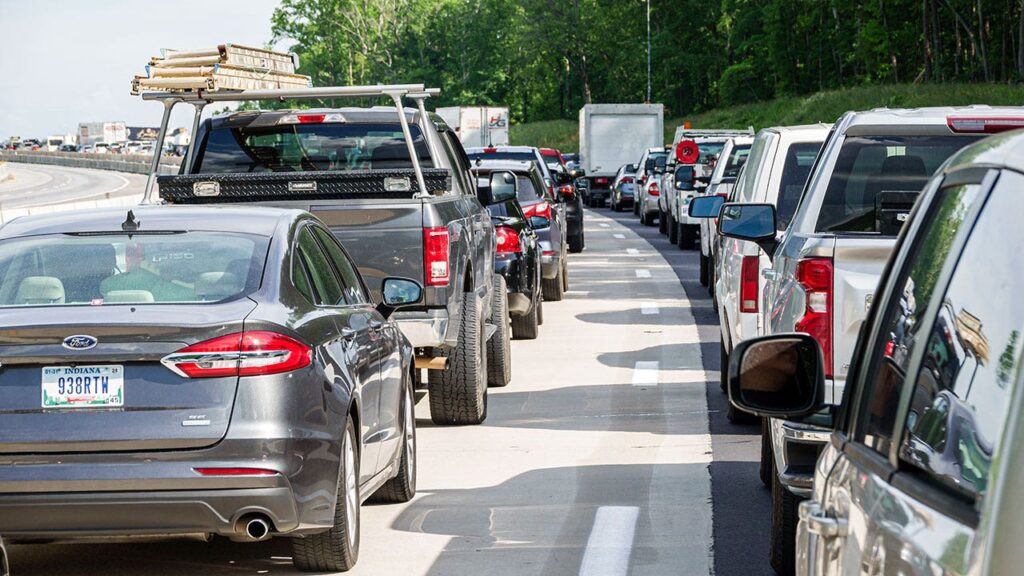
x: 80, y: 342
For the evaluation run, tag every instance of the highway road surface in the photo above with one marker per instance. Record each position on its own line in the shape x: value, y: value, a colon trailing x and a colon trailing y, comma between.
x: 35, y: 185
x: 601, y: 458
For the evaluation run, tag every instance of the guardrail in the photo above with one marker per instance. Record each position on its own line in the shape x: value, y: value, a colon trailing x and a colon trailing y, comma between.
x: 8, y: 214
x: 130, y: 163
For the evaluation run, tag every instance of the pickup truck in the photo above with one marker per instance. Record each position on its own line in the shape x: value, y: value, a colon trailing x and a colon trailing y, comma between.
x: 396, y: 214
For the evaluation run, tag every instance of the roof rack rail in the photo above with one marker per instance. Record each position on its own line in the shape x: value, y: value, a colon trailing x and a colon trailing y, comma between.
x: 200, y: 98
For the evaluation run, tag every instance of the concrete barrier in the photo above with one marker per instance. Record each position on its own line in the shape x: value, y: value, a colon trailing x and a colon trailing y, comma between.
x: 133, y: 164
x: 8, y: 214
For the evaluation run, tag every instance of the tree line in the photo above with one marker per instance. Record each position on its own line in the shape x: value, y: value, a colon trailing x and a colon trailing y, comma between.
x: 544, y: 59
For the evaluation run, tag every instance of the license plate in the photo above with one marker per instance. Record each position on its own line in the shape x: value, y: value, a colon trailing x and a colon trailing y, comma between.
x: 83, y: 386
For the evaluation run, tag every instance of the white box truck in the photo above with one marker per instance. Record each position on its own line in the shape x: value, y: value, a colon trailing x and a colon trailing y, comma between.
x: 102, y: 133
x: 477, y: 126
x: 612, y: 135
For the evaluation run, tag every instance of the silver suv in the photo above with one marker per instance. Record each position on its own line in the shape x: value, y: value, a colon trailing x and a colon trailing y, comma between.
x: 825, y: 267
x: 923, y: 471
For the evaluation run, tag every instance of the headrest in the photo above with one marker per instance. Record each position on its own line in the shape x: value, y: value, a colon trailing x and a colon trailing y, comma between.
x: 904, y: 166
x: 40, y: 290
x: 128, y: 297
x: 213, y: 286
x: 397, y: 155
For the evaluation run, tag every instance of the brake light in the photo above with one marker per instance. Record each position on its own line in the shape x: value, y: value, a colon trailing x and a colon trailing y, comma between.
x: 565, y: 190
x: 600, y: 180
x: 749, y: 269
x: 310, y: 118
x: 435, y: 256
x: 815, y: 276
x: 982, y: 125
x: 234, y: 471
x: 490, y: 150
x: 540, y: 209
x: 643, y: 179
x: 653, y: 189
x: 508, y: 241
x: 253, y: 353
x: 627, y: 180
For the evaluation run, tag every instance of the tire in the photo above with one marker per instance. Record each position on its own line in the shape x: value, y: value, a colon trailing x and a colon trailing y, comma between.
x: 553, y: 289
x: 337, y: 549
x: 402, y: 487
x: 662, y: 222
x: 636, y: 208
x: 525, y: 327
x: 679, y: 237
x: 616, y: 207
x: 576, y: 243
x: 782, y: 551
x: 704, y: 272
x: 540, y: 311
x: 565, y: 275
x: 673, y: 230
x: 458, y: 394
x: 723, y: 357
x: 499, y: 351
x: 767, y: 468
x: 687, y: 237
x: 712, y: 278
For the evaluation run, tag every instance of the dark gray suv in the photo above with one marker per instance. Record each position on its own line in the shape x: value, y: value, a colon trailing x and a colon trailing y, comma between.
x: 199, y: 370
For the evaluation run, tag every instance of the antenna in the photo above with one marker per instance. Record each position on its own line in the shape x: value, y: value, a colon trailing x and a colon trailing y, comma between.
x: 130, y: 224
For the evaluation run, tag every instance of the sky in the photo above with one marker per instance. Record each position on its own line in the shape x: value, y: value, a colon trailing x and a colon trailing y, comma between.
x: 68, y: 61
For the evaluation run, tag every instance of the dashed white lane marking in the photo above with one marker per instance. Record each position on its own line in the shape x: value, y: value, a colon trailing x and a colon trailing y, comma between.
x: 603, y: 225
x: 645, y: 373
x: 649, y: 308
x: 619, y: 236
x: 643, y: 273
x: 632, y: 251
x: 611, y: 541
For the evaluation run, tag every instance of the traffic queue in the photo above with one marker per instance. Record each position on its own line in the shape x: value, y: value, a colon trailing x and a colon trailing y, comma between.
x: 862, y: 274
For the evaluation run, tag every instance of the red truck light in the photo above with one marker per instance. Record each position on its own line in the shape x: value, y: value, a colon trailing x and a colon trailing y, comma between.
x: 983, y: 125
x: 748, y: 283
x: 436, y: 263
x: 508, y: 241
x: 815, y: 276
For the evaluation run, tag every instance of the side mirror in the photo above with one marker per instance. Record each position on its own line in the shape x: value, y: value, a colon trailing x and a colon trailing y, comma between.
x: 778, y: 376
x: 684, y: 178
x: 500, y: 188
x: 705, y: 207
x: 753, y: 222
x: 397, y: 293
x: 649, y: 165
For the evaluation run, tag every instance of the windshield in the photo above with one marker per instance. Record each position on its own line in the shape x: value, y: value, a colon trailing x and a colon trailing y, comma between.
x: 874, y: 170
x: 737, y: 158
x: 180, y: 268
x: 309, y: 147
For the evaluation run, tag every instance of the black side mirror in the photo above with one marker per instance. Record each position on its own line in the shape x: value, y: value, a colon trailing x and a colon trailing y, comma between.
x: 500, y: 188
x: 684, y: 178
x: 649, y: 165
x: 705, y: 206
x: 397, y: 293
x: 753, y: 222
x: 777, y: 376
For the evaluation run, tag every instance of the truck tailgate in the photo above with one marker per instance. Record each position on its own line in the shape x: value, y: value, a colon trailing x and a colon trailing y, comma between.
x: 858, y: 266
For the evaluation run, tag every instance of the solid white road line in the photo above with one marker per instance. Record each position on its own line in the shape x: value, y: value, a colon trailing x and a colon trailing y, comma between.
x: 643, y: 273
x: 619, y: 236
x: 604, y: 225
x: 611, y: 541
x: 632, y: 251
x: 645, y: 373
x: 649, y: 308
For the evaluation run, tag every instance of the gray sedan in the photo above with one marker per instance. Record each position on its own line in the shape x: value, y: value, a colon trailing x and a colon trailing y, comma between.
x: 199, y: 370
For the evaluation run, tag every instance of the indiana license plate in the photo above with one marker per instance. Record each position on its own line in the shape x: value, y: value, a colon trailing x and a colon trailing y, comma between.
x: 83, y: 386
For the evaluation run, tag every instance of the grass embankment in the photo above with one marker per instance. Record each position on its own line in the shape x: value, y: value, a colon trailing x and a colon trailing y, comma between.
x: 819, y: 107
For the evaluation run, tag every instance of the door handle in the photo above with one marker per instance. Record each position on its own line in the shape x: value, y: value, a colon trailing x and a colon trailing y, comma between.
x: 820, y: 522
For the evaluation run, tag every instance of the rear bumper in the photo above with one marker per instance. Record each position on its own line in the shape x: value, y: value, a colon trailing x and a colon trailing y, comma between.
x: 795, y: 447
x: 425, y: 328
x: 85, y: 514
x: 520, y: 294
x: 649, y: 204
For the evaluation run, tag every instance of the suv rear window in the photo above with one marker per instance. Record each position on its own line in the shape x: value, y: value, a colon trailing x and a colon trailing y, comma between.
x: 799, y: 160
x: 180, y: 268
x: 737, y: 158
x: 875, y: 170
x: 309, y: 147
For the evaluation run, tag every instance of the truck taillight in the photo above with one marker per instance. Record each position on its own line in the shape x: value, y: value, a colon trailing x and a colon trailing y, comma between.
x: 253, y: 353
x: 600, y: 180
x: 627, y: 180
x: 983, y: 125
x: 310, y: 118
x: 653, y: 189
x: 435, y: 256
x: 748, y: 283
x: 508, y: 241
x: 815, y: 276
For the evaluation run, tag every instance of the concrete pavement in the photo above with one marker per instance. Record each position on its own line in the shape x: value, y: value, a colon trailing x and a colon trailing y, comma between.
x: 36, y: 185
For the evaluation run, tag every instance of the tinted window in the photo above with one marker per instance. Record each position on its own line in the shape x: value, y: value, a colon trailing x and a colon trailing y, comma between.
x: 799, y: 159
x: 522, y: 156
x: 881, y: 173
x: 527, y: 189
x: 709, y: 150
x: 899, y: 328
x: 328, y: 288
x: 300, y: 278
x: 973, y: 354
x: 352, y: 286
x: 186, y: 267
x: 459, y: 173
x: 744, y: 189
x: 737, y: 158
x: 306, y: 147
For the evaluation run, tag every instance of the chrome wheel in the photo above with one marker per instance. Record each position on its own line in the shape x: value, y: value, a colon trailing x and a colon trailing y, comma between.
x: 351, y: 494
x: 410, y: 438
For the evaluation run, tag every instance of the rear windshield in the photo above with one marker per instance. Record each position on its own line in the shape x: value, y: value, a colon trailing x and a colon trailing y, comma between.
x: 176, y: 268
x: 527, y: 191
x: 709, y: 150
x: 521, y: 156
x: 309, y: 147
x: 874, y: 170
x: 737, y: 158
x: 799, y: 160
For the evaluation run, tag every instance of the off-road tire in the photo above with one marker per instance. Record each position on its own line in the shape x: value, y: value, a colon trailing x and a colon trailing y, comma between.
x: 782, y: 550
x: 402, y: 487
x: 499, y: 351
x: 673, y: 229
x: 704, y: 270
x: 576, y: 243
x: 525, y: 327
x: 767, y: 468
x: 458, y: 394
x: 333, y: 550
x: 552, y: 288
x: 662, y: 222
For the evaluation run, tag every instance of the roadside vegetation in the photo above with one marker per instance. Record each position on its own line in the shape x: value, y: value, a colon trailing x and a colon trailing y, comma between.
x: 820, y: 107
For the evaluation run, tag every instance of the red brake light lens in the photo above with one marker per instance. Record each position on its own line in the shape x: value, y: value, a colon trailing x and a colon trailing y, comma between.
x: 983, y: 125
x: 627, y: 180
x: 508, y: 241
x: 540, y: 210
x: 254, y: 353
x: 600, y: 180
x: 653, y: 189
x: 435, y: 256
x: 490, y: 150
x: 815, y: 276
x: 311, y: 118
x: 748, y: 283
x: 565, y: 190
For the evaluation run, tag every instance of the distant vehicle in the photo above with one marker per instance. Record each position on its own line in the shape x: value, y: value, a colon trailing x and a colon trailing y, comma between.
x: 68, y: 148
x: 924, y: 455
x: 624, y: 188
x: 54, y: 143
x: 234, y: 350
x: 612, y: 135
x: 477, y: 125
x: 105, y: 132
x: 733, y: 158
x: 648, y: 186
x: 100, y: 148
x: 568, y: 194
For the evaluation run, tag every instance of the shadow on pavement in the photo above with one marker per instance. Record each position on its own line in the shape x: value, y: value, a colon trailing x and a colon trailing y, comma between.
x: 666, y: 316
x: 668, y: 356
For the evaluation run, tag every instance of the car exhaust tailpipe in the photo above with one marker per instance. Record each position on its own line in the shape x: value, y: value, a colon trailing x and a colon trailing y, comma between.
x: 252, y: 528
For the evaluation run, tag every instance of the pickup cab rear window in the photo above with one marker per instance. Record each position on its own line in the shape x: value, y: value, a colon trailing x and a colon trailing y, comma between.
x: 876, y: 177
x: 309, y: 147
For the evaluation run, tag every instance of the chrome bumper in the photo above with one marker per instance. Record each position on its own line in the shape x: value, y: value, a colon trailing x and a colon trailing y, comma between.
x: 795, y: 447
x: 425, y: 329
